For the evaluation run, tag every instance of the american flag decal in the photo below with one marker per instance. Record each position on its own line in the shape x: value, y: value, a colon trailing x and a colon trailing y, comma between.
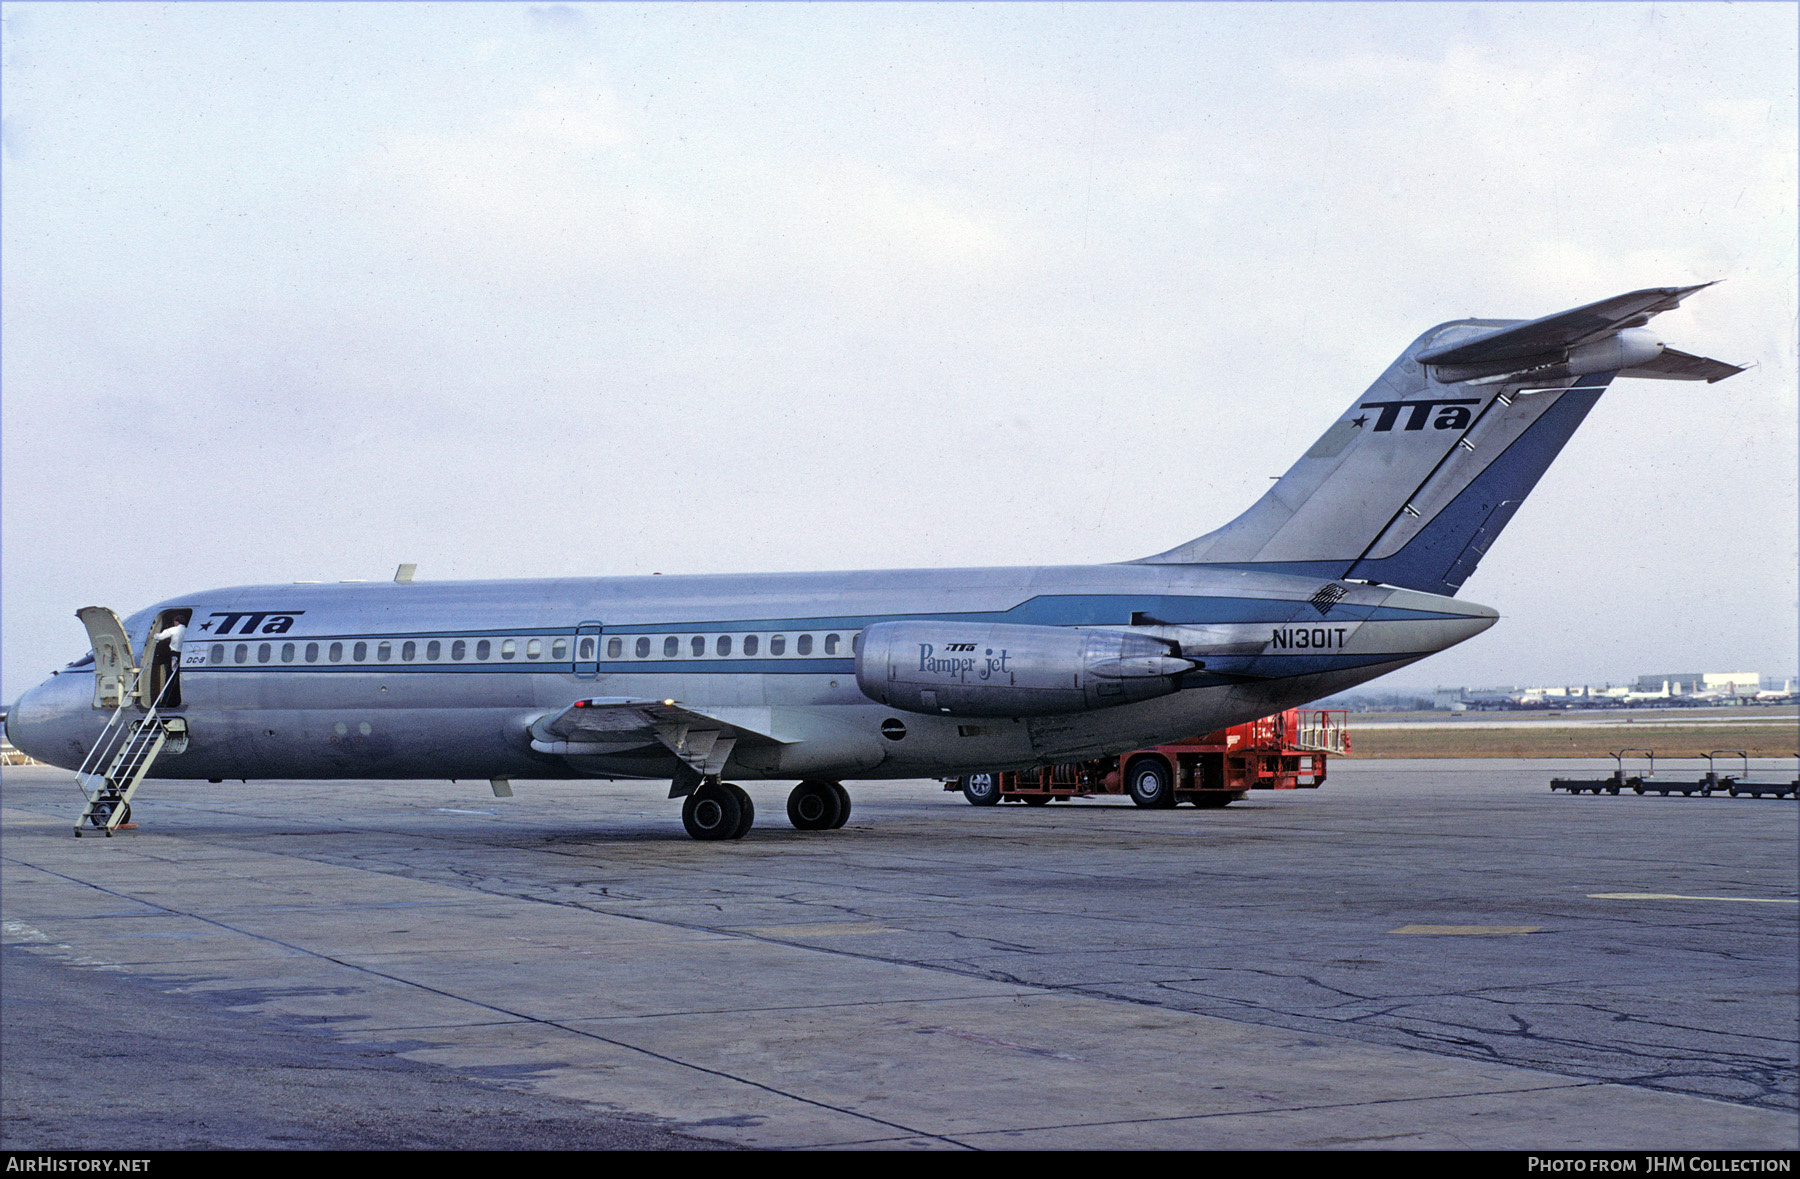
x: 1327, y: 597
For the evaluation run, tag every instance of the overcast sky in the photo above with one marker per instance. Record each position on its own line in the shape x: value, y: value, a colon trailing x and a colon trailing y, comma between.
x: 305, y: 291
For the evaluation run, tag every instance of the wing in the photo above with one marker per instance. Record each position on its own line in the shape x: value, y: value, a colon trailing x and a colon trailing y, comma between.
x: 616, y: 724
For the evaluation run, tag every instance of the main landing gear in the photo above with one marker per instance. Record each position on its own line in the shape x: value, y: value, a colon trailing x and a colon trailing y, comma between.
x: 717, y: 810
x: 818, y: 805
x: 721, y: 810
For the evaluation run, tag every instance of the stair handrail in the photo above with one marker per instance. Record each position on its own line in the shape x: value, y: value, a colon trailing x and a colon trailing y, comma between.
x: 116, y: 739
x: 107, y: 744
x: 144, y: 735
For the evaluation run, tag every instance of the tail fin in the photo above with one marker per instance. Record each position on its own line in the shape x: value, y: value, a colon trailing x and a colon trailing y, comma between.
x: 1414, y: 482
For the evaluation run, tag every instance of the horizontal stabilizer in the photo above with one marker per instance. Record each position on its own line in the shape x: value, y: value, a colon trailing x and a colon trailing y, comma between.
x: 1522, y: 345
x: 1684, y: 366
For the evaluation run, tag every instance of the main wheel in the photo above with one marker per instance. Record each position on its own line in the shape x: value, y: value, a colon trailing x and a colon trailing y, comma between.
x: 746, y: 809
x: 813, y: 806
x: 981, y: 789
x: 711, y: 812
x: 1149, y: 784
x: 843, y: 797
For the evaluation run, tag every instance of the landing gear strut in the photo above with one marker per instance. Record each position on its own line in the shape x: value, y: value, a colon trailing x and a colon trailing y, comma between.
x: 718, y: 810
x: 818, y: 805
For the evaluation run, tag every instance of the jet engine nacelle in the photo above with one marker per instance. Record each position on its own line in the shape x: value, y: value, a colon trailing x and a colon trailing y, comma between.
x: 996, y: 669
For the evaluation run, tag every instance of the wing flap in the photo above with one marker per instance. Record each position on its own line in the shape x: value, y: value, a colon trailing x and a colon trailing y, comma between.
x: 615, y: 724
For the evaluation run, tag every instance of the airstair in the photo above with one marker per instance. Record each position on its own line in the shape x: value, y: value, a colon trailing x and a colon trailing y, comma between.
x: 127, y: 747
x: 138, y: 730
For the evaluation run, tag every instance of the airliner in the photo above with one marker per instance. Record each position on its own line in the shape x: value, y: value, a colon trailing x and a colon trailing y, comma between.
x: 1345, y: 570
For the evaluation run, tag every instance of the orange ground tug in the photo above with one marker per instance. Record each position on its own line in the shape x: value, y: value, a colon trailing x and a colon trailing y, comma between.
x: 1281, y: 752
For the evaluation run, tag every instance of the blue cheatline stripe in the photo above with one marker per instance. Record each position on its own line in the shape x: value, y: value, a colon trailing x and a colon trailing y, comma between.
x: 1254, y: 665
x: 659, y: 666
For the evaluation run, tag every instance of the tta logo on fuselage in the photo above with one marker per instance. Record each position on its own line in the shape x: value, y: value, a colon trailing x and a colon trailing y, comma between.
x: 1453, y: 414
x: 271, y: 622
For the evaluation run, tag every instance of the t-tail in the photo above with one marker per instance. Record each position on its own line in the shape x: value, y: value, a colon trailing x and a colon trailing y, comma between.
x: 1416, y: 479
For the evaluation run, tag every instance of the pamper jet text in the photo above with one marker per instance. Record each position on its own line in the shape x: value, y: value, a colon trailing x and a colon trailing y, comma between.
x: 958, y: 665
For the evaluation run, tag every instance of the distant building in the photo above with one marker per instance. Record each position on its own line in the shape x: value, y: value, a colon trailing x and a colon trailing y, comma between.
x: 1680, y: 683
x: 1732, y: 683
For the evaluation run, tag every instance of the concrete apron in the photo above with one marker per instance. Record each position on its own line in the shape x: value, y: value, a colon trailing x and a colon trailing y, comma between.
x: 762, y: 1036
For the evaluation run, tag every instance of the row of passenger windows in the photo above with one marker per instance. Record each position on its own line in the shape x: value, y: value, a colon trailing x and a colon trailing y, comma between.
x: 556, y: 649
x: 723, y: 646
x: 410, y: 650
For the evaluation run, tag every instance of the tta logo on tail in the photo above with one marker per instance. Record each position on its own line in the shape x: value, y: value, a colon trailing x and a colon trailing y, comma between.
x: 1453, y: 413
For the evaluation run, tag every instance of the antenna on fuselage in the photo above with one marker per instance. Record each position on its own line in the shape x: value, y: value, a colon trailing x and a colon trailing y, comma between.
x: 405, y: 573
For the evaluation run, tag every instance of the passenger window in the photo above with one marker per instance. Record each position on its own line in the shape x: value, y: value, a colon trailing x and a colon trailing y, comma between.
x: 337, y: 652
x: 749, y: 644
x: 409, y: 650
x: 723, y: 646
x: 614, y: 648
x: 312, y: 652
x: 831, y: 644
x: 432, y: 650
x: 777, y: 644
x: 534, y: 649
x: 508, y: 648
x: 803, y: 645
x: 287, y: 652
x: 384, y: 652
x: 643, y: 648
x: 360, y: 653
x: 671, y: 647
x: 263, y: 652
x: 218, y: 652
x: 483, y: 648
x: 458, y: 649
x: 559, y: 649
x: 242, y: 653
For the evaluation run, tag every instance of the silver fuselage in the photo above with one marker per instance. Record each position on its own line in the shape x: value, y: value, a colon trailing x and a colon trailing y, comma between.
x: 446, y: 680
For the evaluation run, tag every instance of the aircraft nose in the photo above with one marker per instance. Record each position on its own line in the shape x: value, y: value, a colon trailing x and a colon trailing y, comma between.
x: 55, y: 722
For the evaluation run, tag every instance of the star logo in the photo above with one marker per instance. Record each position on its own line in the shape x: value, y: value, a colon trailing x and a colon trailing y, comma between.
x: 1360, y: 421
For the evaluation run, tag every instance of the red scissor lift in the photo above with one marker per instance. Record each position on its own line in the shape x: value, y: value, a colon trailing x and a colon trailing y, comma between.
x: 1284, y: 751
